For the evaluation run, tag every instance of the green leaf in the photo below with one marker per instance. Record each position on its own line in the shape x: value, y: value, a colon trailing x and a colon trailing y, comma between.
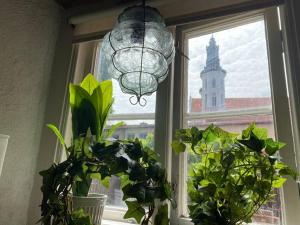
x: 84, y: 114
x: 80, y: 218
x: 150, y: 155
x: 106, y: 182
x: 246, y: 133
x: 106, y: 89
x: 178, y: 146
x: 196, y: 136
x: 273, y: 146
x: 260, y: 133
x: 278, y: 182
x: 113, y: 129
x: 204, y: 183
x: 96, y: 176
x: 135, y: 210
x: 125, y: 180
x: 162, y: 215
x: 81, y: 188
x: 57, y: 133
x: 89, y: 83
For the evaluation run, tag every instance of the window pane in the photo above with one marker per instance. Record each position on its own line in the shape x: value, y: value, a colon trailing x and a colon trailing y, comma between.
x: 144, y: 130
x: 228, y: 70
x: 121, y: 101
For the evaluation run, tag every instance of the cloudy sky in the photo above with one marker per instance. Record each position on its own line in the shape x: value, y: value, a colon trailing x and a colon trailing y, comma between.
x: 243, y: 55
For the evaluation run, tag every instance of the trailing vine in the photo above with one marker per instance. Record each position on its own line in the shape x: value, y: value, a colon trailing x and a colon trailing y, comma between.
x: 230, y: 176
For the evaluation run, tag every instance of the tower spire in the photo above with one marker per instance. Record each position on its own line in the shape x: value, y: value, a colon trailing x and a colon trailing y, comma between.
x: 212, y: 76
x: 212, y: 60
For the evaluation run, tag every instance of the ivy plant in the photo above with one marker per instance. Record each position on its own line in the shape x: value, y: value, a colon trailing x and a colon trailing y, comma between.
x: 231, y: 176
x: 92, y: 156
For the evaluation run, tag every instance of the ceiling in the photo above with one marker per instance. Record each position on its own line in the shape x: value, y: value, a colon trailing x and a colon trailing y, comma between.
x: 71, y: 4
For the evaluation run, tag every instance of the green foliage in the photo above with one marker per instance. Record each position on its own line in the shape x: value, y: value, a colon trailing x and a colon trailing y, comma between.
x: 144, y: 181
x: 90, y: 104
x: 80, y: 218
x: 57, y: 133
x: 148, y: 141
x: 92, y: 156
x: 134, y: 211
x: 162, y: 216
x: 231, y: 176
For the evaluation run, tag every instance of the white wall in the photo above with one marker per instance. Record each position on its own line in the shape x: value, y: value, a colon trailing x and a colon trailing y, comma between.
x: 28, y: 34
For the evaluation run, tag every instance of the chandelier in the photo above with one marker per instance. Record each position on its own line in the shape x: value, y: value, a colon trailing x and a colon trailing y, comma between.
x: 138, y: 51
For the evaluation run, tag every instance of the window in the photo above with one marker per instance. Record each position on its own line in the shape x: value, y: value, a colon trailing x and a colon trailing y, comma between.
x: 214, y: 101
x: 234, y: 76
x: 138, y: 122
x: 214, y: 83
x: 234, y: 53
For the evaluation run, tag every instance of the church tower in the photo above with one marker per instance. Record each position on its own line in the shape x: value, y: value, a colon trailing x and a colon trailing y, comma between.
x: 212, y: 76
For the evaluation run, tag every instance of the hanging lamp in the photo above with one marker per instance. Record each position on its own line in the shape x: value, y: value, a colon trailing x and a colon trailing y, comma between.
x: 138, y: 51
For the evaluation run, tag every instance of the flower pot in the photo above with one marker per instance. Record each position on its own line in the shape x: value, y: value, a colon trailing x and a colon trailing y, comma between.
x: 3, y: 146
x: 93, y: 205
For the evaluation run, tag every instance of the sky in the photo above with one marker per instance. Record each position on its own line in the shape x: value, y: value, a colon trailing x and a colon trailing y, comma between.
x: 243, y: 55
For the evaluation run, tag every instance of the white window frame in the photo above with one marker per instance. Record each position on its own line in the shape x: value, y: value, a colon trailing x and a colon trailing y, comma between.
x: 283, y: 128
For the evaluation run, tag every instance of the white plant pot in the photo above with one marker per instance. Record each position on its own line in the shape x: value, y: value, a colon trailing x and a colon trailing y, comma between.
x: 3, y: 146
x: 93, y: 205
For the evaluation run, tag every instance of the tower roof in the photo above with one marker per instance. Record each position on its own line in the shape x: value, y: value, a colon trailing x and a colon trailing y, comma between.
x: 212, y: 59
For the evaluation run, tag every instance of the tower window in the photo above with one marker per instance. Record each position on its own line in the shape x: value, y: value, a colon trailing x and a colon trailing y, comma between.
x: 214, y: 101
x: 214, y: 83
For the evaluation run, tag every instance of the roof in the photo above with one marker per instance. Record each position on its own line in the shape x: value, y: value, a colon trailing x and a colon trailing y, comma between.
x: 233, y: 103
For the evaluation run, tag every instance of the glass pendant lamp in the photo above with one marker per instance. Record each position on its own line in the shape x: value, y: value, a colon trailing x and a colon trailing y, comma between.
x: 138, y: 51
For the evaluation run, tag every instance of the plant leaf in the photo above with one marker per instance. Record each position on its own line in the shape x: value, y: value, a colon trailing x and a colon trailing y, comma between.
x: 278, y: 182
x: 135, y: 210
x: 89, y: 84
x: 178, y: 146
x: 113, y: 129
x: 162, y: 215
x: 57, y: 133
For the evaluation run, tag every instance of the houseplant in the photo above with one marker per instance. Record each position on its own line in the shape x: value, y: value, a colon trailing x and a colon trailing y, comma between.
x: 90, y: 105
x: 232, y: 175
x: 92, y: 156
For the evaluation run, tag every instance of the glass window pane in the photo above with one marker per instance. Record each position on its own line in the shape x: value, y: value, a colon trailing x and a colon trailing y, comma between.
x: 228, y: 69
x: 142, y: 129
x: 121, y: 101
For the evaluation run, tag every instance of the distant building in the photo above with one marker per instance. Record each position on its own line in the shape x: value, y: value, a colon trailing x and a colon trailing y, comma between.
x: 212, y: 76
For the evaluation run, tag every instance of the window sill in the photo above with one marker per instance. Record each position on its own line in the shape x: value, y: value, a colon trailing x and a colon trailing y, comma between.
x: 110, y: 222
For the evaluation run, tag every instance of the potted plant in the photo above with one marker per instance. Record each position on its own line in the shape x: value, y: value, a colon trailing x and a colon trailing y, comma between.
x: 231, y: 176
x: 90, y: 105
x: 92, y: 156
